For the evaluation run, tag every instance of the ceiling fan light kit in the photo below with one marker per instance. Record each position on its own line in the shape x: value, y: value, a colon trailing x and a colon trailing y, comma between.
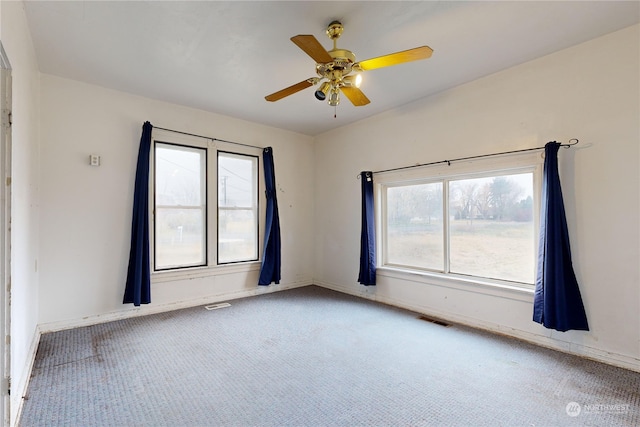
x: 354, y: 80
x: 338, y: 69
x: 334, y: 97
x: 322, y: 91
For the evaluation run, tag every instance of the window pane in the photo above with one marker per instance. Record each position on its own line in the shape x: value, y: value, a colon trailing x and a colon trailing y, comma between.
x: 236, y: 180
x: 179, y: 176
x: 491, y: 227
x: 414, y: 226
x: 236, y: 236
x: 237, y: 208
x: 180, y: 206
x: 179, y: 238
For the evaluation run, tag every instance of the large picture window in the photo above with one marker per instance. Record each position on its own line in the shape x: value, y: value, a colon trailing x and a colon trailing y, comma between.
x: 477, y: 221
x: 196, y: 221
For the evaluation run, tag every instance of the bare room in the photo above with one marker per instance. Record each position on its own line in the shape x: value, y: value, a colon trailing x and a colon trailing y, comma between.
x: 318, y: 213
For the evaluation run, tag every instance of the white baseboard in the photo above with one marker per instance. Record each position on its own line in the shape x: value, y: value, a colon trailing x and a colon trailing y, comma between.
x: 161, y: 308
x: 619, y: 360
x: 20, y: 386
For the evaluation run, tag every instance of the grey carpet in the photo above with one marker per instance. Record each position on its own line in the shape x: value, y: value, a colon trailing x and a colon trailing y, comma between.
x: 314, y: 357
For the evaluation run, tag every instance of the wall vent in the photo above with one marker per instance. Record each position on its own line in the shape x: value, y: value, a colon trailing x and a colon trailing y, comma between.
x: 436, y: 321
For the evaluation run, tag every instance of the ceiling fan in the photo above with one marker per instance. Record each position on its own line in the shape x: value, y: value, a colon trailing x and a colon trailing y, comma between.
x: 338, y: 70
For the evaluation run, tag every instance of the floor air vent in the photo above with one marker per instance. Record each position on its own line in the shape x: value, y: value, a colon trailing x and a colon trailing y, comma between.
x: 217, y: 306
x: 436, y: 321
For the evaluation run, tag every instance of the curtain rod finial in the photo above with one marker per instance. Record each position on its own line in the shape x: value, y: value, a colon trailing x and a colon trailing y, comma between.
x: 571, y: 143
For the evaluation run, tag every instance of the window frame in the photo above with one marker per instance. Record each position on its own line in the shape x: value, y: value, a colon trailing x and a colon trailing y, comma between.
x: 531, y: 162
x: 154, y: 207
x: 212, y: 267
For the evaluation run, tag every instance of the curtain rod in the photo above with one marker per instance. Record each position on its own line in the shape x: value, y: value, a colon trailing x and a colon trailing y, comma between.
x: 207, y: 137
x: 448, y: 162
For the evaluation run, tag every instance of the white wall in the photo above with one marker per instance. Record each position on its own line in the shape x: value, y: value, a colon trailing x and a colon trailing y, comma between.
x: 17, y: 42
x: 591, y: 92
x: 86, y: 211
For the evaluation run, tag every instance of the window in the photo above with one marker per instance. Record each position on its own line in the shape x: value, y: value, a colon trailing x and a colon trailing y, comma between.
x: 197, y: 224
x: 237, y: 208
x: 180, y: 206
x: 475, y: 220
x: 415, y: 232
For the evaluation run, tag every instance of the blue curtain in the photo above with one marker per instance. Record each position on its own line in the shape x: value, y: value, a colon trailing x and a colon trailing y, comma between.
x: 138, y: 287
x: 367, y: 275
x: 557, y: 302
x: 270, y: 269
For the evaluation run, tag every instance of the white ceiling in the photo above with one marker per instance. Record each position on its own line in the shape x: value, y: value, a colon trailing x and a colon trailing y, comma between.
x: 225, y: 56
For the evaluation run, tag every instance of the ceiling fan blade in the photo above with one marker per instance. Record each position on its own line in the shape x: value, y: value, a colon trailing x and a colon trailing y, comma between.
x: 312, y: 47
x: 289, y: 90
x: 422, y: 52
x: 355, y: 95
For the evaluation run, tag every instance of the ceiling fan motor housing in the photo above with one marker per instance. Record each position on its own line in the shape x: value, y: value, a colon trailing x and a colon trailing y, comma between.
x: 341, y: 65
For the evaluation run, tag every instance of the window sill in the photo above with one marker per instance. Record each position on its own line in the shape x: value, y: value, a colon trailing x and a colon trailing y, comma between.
x: 199, y: 272
x: 469, y: 284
